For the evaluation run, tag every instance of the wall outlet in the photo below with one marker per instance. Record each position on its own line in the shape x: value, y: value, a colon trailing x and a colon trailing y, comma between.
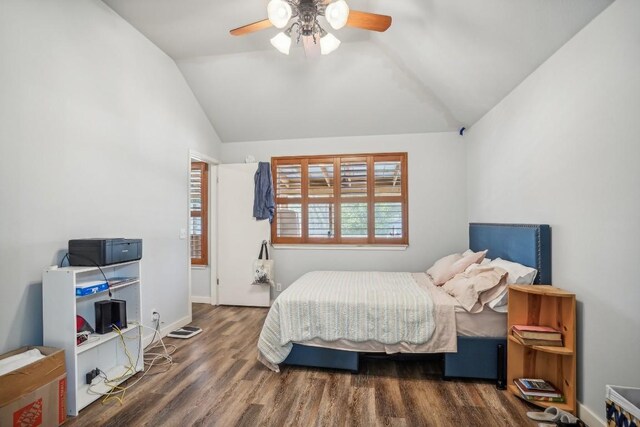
x: 279, y: 287
x: 154, y: 314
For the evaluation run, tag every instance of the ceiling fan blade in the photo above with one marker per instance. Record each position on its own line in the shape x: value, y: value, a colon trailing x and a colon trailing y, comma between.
x: 250, y: 28
x: 369, y: 21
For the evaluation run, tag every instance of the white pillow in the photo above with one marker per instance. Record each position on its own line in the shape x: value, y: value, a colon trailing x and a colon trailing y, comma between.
x: 518, y: 274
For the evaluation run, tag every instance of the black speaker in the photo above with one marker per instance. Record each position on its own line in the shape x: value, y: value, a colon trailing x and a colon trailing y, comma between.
x: 103, y: 317
x: 119, y: 313
x: 501, y: 383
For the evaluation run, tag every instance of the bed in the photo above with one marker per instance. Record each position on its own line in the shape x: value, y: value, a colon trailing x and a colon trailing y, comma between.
x: 479, y: 340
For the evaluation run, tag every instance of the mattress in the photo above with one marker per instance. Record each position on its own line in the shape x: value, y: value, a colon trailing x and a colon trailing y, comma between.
x: 487, y: 323
x: 386, y: 307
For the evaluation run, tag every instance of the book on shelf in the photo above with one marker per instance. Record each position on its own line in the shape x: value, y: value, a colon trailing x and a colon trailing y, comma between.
x: 537, y: 392
x: 543, y: 399
x: 536, y: 384
x: 537, y: 332
x: 549, y: 343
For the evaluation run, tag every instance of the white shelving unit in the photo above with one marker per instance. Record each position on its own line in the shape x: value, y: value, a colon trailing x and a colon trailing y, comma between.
x: 60, y: 306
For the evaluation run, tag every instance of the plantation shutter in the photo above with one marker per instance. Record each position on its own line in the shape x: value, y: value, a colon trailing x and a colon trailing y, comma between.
x: 198, y: 207
x: 346, y: 199
x: 354, y: 192
x: 288, y: 187
x: 389, y: 198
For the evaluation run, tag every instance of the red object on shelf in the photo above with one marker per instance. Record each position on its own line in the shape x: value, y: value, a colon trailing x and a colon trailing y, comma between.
x: 82, y: 325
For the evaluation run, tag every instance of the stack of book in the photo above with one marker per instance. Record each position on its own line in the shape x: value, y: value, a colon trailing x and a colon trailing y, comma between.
x: 537, y: 389
x: 537, y: 335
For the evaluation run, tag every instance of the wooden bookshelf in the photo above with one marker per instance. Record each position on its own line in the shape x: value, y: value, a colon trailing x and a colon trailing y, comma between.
x: 543, y: 305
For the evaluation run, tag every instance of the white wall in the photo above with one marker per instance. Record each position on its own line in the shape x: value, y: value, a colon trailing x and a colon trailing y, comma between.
x: 200, y: 284
x: 437, y: 203
x: 561, y: 149
x: 95, y: 127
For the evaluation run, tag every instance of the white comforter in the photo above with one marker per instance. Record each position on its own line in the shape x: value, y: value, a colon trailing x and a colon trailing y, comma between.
x: 389, y: 308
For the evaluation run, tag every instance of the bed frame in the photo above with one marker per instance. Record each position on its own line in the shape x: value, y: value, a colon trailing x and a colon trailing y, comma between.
x: 477, y: 357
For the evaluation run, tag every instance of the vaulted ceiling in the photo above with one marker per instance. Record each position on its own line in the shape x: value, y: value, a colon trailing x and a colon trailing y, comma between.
x: 443, y: 64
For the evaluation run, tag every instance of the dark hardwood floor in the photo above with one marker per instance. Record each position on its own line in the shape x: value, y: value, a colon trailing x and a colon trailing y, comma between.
x: 216, y: 380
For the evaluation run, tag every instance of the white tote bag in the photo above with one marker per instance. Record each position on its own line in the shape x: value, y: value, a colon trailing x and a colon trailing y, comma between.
x: 263, y: 267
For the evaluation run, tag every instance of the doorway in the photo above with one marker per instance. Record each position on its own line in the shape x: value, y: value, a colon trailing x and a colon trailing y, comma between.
x: 202, y: 229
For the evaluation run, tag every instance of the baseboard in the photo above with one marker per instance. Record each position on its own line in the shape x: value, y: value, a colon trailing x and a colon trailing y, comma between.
x: 201, y: 300
x: 589, y: 417
x: 164, y: 330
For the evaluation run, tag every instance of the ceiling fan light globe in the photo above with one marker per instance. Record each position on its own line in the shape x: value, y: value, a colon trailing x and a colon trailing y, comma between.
x: 279, y: 13
x: 282, y: 42
x: 328, y: 44
x: 337, y: 14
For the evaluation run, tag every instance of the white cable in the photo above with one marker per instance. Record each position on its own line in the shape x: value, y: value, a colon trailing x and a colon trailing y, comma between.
x: 155, y: 356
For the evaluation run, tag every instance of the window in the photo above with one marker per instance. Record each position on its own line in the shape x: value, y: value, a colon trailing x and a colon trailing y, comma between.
x: 198, y: 207
x: 346, y: 199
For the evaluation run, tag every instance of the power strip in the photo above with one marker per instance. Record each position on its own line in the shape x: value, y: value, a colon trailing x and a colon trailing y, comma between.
x: 91, y: 375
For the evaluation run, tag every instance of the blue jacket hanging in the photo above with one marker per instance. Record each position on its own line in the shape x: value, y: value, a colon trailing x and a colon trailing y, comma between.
x: 263, y: 201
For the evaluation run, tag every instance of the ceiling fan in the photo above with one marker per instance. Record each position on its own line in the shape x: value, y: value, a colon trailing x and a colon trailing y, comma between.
x: 305, y: 25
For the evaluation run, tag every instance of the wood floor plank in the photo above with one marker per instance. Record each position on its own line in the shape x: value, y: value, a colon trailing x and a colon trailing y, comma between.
x: 336, y: 392
x: 250, y: 416
x: 216, y: 380
x: 361, y: 408
x: 305, y: 408
x: 387, y: 392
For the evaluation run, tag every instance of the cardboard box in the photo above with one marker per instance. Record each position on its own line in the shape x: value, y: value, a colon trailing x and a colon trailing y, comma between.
x: 36, y: 394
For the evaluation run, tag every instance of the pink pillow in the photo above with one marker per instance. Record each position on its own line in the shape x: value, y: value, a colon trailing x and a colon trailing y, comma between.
x: 441, y: 268
x: 447, y: 267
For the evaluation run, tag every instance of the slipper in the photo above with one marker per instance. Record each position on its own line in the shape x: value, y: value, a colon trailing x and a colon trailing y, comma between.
x: 551, y: 414
x: 568, y: 420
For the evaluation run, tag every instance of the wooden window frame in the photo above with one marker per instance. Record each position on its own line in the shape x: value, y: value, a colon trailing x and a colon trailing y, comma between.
x: 337, y: 200
x: 203, y: 213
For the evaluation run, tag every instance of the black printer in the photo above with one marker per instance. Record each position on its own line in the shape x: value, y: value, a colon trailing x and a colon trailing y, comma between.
x: 92, y: 252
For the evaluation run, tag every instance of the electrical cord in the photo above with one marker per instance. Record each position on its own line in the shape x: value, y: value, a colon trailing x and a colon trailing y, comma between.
x: 66, y: 256
x: 128, y: 373
x: 151, y: 357
x: 155, y: 330
x: 150, y: 360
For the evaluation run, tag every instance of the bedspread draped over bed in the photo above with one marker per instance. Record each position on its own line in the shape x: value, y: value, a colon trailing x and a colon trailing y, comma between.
x: 389, y: 308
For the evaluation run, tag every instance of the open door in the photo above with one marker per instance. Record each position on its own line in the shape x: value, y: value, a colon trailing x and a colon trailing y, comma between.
x: 239, y: 237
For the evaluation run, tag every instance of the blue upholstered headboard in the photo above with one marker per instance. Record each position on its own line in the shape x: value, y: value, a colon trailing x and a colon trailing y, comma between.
x: 527, y: 244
